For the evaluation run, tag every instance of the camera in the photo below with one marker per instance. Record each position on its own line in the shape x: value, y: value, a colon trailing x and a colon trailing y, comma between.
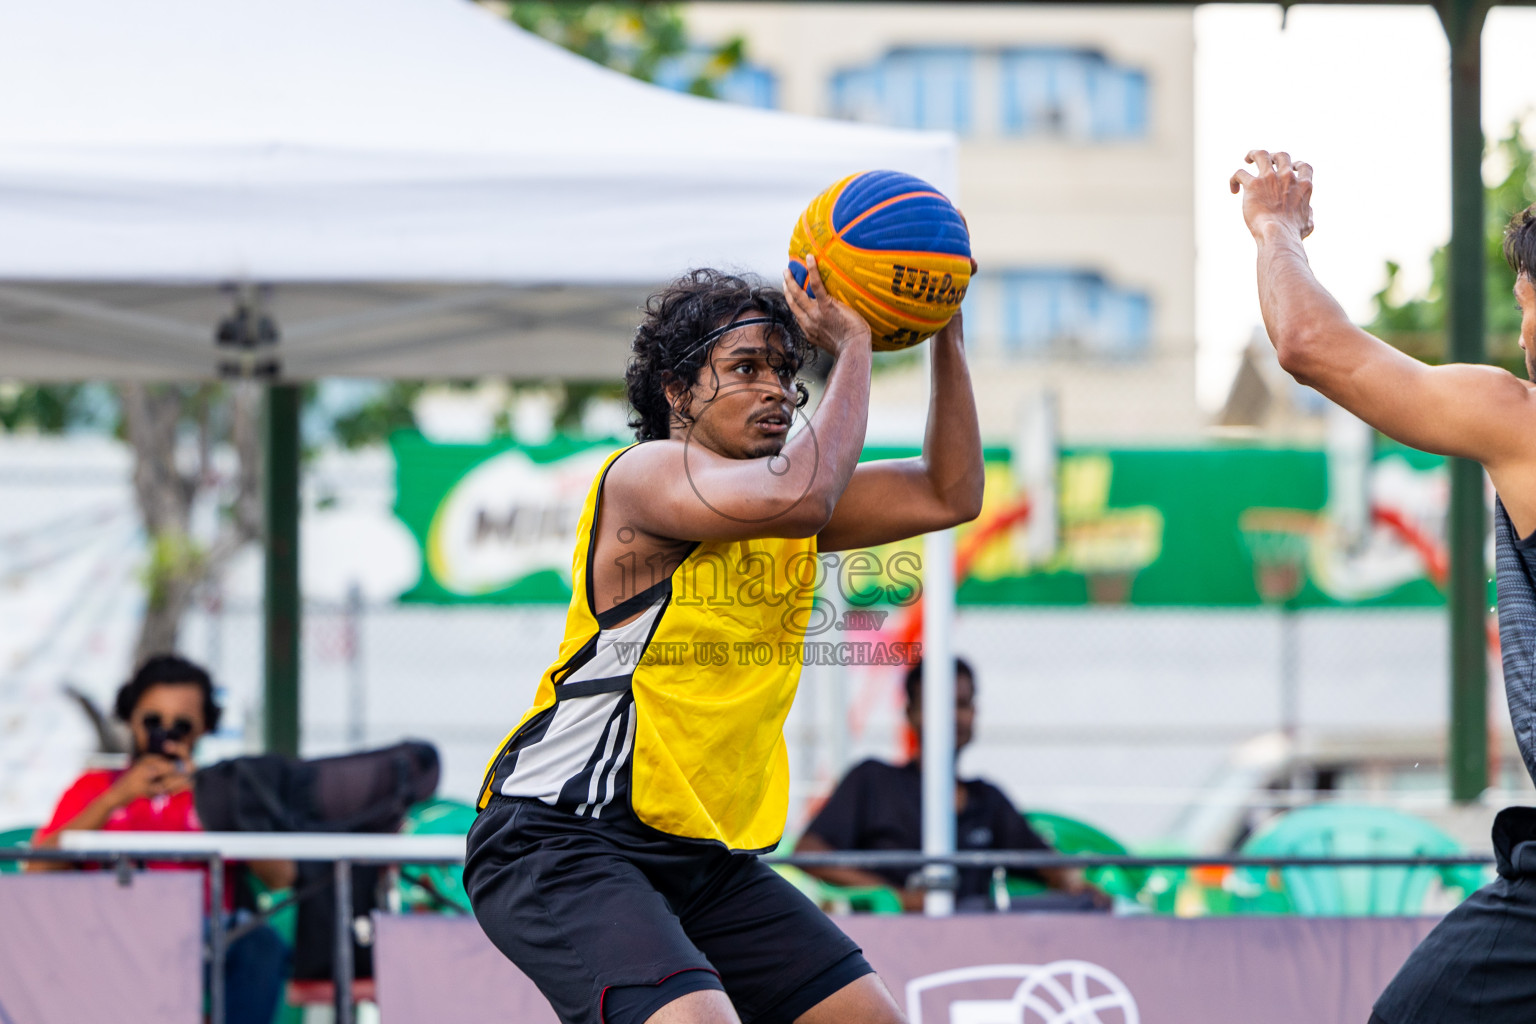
x: 158, y: 734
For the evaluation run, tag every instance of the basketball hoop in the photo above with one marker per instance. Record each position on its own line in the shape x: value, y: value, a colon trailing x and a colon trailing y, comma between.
x: 1278, y: 541
x: 1106, y: 586
x: 1111, y: 551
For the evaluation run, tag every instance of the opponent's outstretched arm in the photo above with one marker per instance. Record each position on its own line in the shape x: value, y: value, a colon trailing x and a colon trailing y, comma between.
x: 893, y: 499
x: 1477, y: 412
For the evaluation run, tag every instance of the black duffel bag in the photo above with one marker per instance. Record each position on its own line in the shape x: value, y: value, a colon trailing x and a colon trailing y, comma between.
x: 369, y: 791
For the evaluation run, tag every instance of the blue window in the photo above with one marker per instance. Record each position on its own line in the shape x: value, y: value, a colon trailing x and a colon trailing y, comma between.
x: 910, y: 88
x: 751, y: 86
x: 748, y: 84
x: 1071, y: 94
x: 1049, y: 311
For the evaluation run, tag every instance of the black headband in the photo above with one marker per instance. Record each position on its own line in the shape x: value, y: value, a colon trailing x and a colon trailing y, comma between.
x: 715, y: 334
x: 748, y: 322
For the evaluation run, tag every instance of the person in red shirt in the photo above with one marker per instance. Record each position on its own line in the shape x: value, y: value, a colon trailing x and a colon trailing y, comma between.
x: 168, y: 706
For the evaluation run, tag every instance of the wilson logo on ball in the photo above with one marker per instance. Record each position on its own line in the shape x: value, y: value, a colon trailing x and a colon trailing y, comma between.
x: 892, y: 247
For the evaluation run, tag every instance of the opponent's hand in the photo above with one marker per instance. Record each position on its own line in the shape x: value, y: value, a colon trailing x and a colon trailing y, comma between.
x: 828, y: 324
x: 1277, y: 193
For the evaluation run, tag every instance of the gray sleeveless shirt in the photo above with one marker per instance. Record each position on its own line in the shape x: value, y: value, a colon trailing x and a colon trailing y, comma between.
x: 1516, y: 561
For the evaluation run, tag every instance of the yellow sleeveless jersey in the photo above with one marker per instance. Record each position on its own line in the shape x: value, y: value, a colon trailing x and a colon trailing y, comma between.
x: 680, y: 711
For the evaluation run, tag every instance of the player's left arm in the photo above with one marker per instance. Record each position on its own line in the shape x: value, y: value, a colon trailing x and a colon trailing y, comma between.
x: 894, y: 499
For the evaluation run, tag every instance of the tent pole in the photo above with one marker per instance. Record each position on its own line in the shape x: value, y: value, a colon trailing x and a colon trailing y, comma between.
x: 281, y: 493
x: 1467, y: 744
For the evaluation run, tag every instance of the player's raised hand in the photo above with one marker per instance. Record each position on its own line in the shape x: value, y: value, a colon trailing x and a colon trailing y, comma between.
x: 1276, y: 192
x: 967, y: 224
x: 827, y: 323
x: 954, y: 330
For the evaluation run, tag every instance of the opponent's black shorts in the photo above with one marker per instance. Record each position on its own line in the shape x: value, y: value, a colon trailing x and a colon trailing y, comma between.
x: 1479, y: 963
x: 590, y: 909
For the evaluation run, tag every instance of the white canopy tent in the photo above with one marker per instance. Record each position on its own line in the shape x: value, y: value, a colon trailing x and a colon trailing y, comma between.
x: 402, y: 188
x: 419, y: 188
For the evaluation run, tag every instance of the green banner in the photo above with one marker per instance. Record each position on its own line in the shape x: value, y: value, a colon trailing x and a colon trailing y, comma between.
x: 1217, y: 526
x: 496, y: 523
x: 1230, y: 526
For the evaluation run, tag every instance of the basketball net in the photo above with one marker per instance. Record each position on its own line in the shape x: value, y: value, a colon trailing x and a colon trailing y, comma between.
x: 1108, y: 586
x: 1278, y: 541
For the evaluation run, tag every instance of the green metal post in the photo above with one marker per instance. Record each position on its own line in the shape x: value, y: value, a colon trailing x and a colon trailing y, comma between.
x: 282, y: 577
x: 1467, y: 754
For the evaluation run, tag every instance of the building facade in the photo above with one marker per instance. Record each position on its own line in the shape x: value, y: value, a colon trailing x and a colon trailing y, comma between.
x: 1076, y: 131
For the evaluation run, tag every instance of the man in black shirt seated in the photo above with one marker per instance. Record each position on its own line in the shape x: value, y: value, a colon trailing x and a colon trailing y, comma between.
x: 878, y: 806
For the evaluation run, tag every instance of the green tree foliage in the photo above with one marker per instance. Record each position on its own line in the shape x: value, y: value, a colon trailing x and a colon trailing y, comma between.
x: 1416, y: 324
x: 42, y: 408
x: 574, y: 399
x: 635, y: 38
x: 380, y: 416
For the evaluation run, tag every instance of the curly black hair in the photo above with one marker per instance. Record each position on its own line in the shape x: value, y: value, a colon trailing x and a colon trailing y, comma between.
x: 670, y: 342
x: 914, y: 678
x: 1520, y: 243
x: 168, y: 669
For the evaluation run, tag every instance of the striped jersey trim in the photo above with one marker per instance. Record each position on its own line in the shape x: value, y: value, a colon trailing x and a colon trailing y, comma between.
x: 576, y: 754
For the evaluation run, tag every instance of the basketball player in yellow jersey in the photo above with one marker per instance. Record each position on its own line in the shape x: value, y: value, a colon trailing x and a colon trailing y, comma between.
x: 614, y: 859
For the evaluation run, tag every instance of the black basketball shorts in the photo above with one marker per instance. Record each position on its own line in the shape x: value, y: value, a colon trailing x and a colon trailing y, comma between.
x: 591, y: 908
x: 1478, y: 965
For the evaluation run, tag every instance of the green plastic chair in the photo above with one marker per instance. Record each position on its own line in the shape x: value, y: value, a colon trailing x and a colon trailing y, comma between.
x: 436, y: 888
x: 1332, y: 830
x: 1161, y: 893
x: 1072, y: 835
x: 14, y: 837
x: 841, y: 899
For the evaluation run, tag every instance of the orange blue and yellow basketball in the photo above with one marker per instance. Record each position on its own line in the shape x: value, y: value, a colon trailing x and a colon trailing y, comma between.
x: 892, y: 247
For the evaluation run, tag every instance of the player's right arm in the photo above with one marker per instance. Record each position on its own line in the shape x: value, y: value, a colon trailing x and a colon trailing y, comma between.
x: 684, y: 491
x: 1476, y: 412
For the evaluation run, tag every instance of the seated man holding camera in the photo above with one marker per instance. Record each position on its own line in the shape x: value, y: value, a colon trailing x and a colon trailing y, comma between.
x: 168, y: 706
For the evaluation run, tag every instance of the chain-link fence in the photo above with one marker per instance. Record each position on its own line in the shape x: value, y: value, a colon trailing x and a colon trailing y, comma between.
x: 1182, y: 726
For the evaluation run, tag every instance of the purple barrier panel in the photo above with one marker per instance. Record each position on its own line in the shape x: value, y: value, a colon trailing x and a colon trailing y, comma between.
x: 81, y: 947
x: 428, y: 969
x: 1060, y: 968
x: 990, y: 969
